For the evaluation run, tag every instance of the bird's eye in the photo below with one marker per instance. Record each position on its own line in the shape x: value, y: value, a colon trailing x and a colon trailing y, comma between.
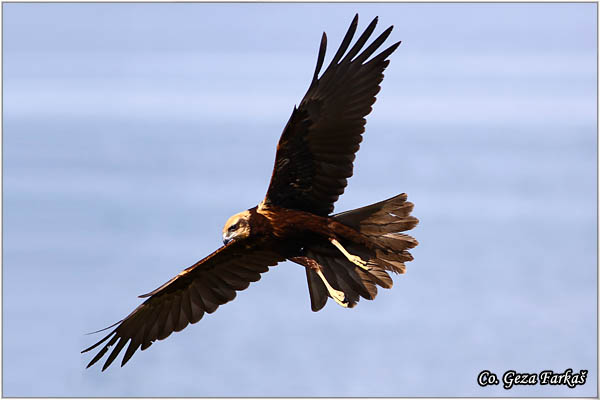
x: 233, y: 227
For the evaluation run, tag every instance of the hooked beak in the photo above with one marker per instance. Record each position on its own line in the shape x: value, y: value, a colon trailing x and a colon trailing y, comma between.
x: 227, y: 239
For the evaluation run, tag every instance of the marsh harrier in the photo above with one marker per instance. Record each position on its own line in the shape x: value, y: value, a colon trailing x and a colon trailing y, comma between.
x: 346, y: 255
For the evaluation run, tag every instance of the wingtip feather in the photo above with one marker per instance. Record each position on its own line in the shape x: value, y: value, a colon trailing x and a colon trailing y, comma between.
x: 104, y: 329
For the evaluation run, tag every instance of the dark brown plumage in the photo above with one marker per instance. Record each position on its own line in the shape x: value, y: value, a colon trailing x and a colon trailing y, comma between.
x: 346, y: 255
x: 317, y: 147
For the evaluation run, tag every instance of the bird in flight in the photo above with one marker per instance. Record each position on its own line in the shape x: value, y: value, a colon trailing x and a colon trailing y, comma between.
x: 346, y: 255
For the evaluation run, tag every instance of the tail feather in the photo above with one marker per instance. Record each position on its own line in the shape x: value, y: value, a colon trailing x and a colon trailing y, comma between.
x: 345, y: 276
x: 388, y: 265
x: 393, y: 242
x: 367, y: 281
x: 381, y: 223
x: 395, y: 224
x: 316, y: 289
x: 401, y: 256
x: 381, y: 244
x: 349, y: 279
x: 382, y: 278
x: 396, y: 205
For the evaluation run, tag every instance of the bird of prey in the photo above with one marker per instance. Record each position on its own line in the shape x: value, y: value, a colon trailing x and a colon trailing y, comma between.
x: 346, y: 255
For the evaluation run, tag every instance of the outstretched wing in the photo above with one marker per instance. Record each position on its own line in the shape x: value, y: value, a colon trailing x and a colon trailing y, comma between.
x: 184, y: 299
x: 318, y: 145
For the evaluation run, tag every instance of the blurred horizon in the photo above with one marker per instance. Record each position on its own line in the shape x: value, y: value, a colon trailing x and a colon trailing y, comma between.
x: 131, y: 132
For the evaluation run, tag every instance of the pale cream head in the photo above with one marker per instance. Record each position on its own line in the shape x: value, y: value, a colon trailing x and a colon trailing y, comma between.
x: 237, y: 227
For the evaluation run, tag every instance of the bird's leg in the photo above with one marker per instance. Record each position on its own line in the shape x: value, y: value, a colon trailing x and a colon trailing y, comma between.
x: 336, y: 295
x: 354, y: 259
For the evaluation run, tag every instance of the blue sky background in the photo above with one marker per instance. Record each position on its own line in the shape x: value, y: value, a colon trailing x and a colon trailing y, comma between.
x: 132, y: 131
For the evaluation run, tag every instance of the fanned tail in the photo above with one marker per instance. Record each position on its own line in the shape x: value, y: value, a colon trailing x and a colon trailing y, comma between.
x: 382, y: 223
x: 382, y: 244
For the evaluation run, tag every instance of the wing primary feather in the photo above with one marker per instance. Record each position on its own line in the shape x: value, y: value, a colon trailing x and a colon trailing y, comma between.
x: 361, y: 41
x: 139, y: 339
x: 374, y: 46
x: 100, y: 342
x: 320, y: 58
x: 101, y: 330
x: 345, y: 43
x: 104, y: 349
x: 97, y: 357
x: 184, y: 299
x: 115, y: 352
x: 384, y: 54
x: 133, y: 346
